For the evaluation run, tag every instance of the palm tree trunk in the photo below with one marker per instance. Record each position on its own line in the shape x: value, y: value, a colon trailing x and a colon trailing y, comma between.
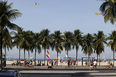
x: 88, y: 60
x: 44, y: 55
x: 5, y: 52
x: 113, y: 57
x: 76, y: 54
x: 24, y: 54
x: 19, y: 56
x: 35, y: 57
x: 28, y: 55
x: 57, y: 57
x: 99, y: 59
x: 67, y: 52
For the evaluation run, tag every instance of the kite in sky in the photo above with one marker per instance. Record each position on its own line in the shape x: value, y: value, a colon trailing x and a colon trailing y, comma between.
x: 99, y: 14
x: 36, y: 3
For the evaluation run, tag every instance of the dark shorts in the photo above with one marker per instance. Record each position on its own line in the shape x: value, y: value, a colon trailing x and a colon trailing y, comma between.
x: 95, y: 65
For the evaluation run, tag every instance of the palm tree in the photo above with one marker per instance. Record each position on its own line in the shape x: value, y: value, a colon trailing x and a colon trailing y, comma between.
x: 18, y: 40
x: 36, y: 44
x: 7, y: 14
x: 99, y: 41
x: 78, y: 40
x: 108, y: 9
x: 46, y: 41
x: 57, y: 40
x: 24, y: 42
x: 7, y: 41
x: 68, y: 41
x: 112, y: 42
x: 88, y: 45
x: 30, y: 39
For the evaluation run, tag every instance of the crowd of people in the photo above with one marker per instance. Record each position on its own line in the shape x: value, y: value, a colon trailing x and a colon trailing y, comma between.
x: 51, y: 63
x: 72, y: 62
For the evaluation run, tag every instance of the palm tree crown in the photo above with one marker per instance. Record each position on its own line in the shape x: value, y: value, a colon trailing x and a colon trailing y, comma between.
x: 112, y: 42
x: 68, y: 41
x: 78, y: 40
x: 108, y: 8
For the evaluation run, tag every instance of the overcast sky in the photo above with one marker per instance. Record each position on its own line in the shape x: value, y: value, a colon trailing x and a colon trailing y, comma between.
x: 63, y: 15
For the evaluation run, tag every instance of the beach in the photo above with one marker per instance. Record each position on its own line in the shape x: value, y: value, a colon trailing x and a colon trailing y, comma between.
x: 61, y: 64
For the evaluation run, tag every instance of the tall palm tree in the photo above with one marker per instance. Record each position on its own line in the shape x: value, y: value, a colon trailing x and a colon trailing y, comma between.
x: 36, y: 44
x: 78, y: 40
x: 112, y: 42
x: 24, y: 42
x: 7, y: 41
x: 99, y: 41
x: 57, y: 40
x: 46, y: 41
x: 17, y: 37
x: 88, y: 45
x: 7, y: 14
x: 29, y: 38
x: 108, y: 8
x: 68, y: 41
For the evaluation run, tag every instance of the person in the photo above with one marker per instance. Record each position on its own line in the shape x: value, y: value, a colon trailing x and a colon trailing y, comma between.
x: 91, y: 65
x: 94, y: 64
x: 71, y: 62
x: 55, y: 62
x: 68, y: 62
x: 17, y: 62
x: 62, y: 61
x: 109, y: 63
x: 47, y: 63
x: 25, y: 61
x: 76, y: 62
x: 86, y: 63
x: 52, y: 63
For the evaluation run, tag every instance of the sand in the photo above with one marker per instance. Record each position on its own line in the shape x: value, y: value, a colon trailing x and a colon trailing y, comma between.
x: 61, y: 64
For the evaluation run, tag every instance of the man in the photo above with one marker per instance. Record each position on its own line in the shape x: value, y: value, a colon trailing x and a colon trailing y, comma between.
x: 68, y: 62
x: 94, y: 64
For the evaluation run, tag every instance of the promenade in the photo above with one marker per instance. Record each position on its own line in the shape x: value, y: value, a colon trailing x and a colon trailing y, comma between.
x: 62, y: 71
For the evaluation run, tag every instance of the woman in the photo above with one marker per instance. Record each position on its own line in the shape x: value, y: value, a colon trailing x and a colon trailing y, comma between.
x: 91, y: 65
x: 76, y: 62
x: 86, y: 63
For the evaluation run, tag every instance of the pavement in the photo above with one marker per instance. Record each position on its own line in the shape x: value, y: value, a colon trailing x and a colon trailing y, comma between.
x: 63, y: 71
x: 57, y: 67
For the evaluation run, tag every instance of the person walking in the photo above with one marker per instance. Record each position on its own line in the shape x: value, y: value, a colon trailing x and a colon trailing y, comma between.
x: 91, y: 65
x: 68, y: 62
x: 76, y: 62
x: 94, y: 64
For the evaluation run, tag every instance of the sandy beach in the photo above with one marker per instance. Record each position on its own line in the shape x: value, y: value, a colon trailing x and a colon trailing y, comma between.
x: 61, y: 64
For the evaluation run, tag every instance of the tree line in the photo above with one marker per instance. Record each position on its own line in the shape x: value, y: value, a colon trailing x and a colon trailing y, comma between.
x: 28, y: 40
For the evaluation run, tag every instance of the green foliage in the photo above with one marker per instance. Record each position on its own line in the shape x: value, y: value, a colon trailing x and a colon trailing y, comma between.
x: 88, y: 44
x: 7, y: 14
x: 108, y: 9
x: 112, y: 42
x: 99, y: 41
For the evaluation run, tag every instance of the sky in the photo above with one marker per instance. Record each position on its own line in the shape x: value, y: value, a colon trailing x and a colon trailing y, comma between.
x: 63, y: 15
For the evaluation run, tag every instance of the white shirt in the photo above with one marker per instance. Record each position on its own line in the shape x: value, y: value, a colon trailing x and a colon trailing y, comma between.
x: 94, y: 62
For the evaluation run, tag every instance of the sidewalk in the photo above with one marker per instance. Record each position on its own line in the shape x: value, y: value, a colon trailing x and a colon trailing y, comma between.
x: 55, y: 67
